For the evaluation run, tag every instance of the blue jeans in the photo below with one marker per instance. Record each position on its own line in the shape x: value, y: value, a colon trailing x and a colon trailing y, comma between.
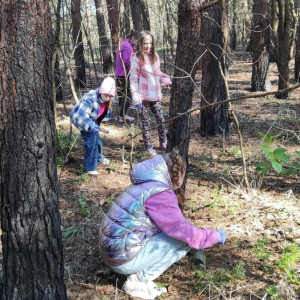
x: 159, y: 253
x: 93, y: 149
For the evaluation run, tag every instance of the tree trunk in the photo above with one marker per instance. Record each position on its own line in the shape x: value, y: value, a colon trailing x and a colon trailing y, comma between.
x: 58, y: 83
x: 189, y: 20
x: 283, y: 34
x: 234, y: 26
x: 214, y: 121
x: 136, y: 14
x: 107, y: 63
x: 32, y: 247
x: 126, y: 16
x: 114, y: 24
x: 80, y: 78
x: 297, y: 54
x: 259, y: 39
x: 145, y: 15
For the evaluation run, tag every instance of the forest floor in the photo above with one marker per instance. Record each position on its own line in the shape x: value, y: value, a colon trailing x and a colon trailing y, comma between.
x: 260, y: 225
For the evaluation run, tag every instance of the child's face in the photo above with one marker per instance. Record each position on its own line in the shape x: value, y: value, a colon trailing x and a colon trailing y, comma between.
x: 106, y: 97
x: 147, y: 44
x: 134, y: 41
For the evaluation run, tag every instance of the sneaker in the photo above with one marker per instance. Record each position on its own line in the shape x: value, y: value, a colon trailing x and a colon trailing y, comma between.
x: 121, y: 119
x: 136, y: 288
x: 93, y: 173
x: 163, y: 146
x: 105, y: 161
x: 151, y: 152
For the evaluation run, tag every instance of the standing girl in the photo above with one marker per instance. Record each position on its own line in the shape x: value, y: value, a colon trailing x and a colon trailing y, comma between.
x: 144, y: 231
x: 123, y: 59
x: 87, y: 115
x: 145, y: 77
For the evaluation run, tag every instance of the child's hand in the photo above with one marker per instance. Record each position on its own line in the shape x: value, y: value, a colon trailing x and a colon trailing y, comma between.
x: 95, y: 128
x: 222, y: 236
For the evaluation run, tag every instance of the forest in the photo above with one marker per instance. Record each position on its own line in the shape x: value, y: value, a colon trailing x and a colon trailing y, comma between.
x: 232, y: 111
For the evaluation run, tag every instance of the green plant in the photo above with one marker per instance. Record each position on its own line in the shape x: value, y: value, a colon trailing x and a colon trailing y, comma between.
x: 72, y: 231
x: 236, y: 151
x: 260, y: 249
x: 290, y: 257
x: 215, y: 280
x: 111, y: 169
x: 79, y: 171
x: 84, y: 177
x: 275, y: 159
x: 237, y: 272
x: 65, y: 141
x: 84, y: 209
x: 59, y: 161
x: 219, y: 278
x: 272, y: 291
x: 162, y: 284
x: 110, y: 201
x: 191, y: 175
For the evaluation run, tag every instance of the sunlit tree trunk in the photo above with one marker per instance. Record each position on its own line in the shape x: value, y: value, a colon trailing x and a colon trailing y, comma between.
x: 107, y: 62
x: 260, y: 41
x: 114, y: 23
x: 127, y: 17
x: 32, y: 250
x: 188, y: 50
x: 136, y: 14
x: 214, y: 121
x: 80, y: 78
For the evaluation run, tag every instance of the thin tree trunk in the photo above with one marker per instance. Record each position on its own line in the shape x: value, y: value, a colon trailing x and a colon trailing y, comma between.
x: 127, y: 16
x: 80, y: 78
x: 107, y: 63
x: 284, y: 34
x: 33, y: 266
x: 234, y: 26
x: 260, y: 54
x: 297, y: 54
x: 136, y: 14
x: 214, y: 121
x: 114, y: 24
x: 145, y: 15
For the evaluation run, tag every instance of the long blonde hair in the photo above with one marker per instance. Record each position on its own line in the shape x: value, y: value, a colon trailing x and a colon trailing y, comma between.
x: 140, y: 48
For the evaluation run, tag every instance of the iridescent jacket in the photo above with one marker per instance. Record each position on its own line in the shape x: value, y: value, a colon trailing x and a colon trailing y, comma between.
x: 127, y: 226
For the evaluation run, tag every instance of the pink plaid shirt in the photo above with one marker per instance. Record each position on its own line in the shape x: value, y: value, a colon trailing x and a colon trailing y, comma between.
x: 145, y: 80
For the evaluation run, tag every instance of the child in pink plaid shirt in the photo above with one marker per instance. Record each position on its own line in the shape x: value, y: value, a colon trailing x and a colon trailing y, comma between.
x: 145, y: 77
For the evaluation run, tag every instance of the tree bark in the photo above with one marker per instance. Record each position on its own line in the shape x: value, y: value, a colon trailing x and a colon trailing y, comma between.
x: 188, y: 50
x: 234, y: 26
x: 114, y: 24
x: 107, y: 63
x: 214, y: 121
x: 80, y: 78
x: 260, y: 40
x: 297, y: 54
x: 127, y: 17
x: 136, y: 14
x: 32, y: 247
x: 145, y: 15
x: 283, y: 51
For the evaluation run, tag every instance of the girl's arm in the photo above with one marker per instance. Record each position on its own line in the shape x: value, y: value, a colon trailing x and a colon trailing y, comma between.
x: 134, y: 78
x: 82, y: 115
x: 164, y: 211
